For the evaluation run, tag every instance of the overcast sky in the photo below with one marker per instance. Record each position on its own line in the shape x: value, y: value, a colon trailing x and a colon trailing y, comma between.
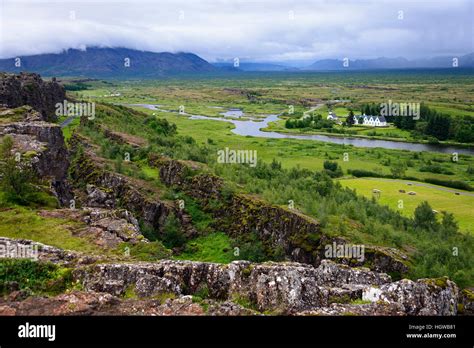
x: 253, y: 30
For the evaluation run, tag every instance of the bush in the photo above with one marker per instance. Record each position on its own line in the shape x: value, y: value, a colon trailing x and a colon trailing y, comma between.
x: 435, y: 168
x: 39, y: 277
x: 332, y: 169
x: 398, y: 169
x: 450, y: 183
x: 252, y: 249
x: 359, y: 173
x: 173, y: 237
x: 161, y: 125
x: 424, y: 217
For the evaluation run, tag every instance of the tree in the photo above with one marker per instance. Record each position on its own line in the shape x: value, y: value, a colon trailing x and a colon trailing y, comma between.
x: 332, y: 169
x: 425, y: 217
x: 449, y: 223
x: 350, y: 119
x: 398, y: 169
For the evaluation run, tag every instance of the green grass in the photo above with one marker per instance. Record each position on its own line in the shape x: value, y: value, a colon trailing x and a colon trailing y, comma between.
x: 215, y: 247
x: 201, y: 220
x: 20, y: 222
x: 151, y: 251
x: 152, y: 173
x: 461, y: 110
x: 461, y: 206
x: 69, y: 129
x: 37, y: 277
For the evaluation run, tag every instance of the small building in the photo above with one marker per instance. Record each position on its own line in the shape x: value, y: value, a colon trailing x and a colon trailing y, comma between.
x: 333, y: 117
x: 371, y: 121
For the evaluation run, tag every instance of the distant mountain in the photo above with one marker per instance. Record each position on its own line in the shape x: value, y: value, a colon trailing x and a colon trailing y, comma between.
x: 98, y: 62
x: 466, y: 61
x: 110, y: 62
x: 256, y: 66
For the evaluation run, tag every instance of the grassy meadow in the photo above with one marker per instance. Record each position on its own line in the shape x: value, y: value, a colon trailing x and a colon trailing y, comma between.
x: 460, y: 205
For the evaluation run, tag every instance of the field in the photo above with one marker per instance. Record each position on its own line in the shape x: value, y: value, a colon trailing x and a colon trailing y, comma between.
x: 460, y: 205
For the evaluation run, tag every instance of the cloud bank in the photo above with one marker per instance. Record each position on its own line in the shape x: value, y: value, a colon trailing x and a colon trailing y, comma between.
x: 253, y: 30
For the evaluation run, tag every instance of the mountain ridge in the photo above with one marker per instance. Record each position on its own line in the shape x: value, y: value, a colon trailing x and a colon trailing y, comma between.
x: 109, y: 62
x: 465, y: 61
x: 120, y: 62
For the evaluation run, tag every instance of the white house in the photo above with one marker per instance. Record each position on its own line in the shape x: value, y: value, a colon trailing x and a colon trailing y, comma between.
x: 371, y: 121
x: 332, y: 117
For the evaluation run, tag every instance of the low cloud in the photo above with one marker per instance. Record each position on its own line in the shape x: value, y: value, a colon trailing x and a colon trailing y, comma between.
x: 258, y: 30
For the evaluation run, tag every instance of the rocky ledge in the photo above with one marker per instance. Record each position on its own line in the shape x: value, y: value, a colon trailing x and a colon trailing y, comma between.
x: 43, y: 252
x: 94, y: 303
x: 281, y: 288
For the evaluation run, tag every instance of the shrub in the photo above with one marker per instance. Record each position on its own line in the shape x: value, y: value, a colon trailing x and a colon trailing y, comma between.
x: 450, y: 183
x: 359, y: 173
x: 160, y: 125
x: 173, y: 237
x: 39, y: 277
x: 435, y: 168
x: 424, y: 217
x: 252, y: 249
x: 398, y: 169
x: 333, y: 169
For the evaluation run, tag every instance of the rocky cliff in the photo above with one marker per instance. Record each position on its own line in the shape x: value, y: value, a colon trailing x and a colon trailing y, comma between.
x: 30, y: 89
x: 43, y: 143
x: 39, y: 145
x: 98, y: 187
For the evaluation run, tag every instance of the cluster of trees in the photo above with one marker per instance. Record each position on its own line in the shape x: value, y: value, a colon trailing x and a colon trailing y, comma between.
x: 310, y: 121
x: 77, y: 86
x: 431, y: 123
x: 160, y: 125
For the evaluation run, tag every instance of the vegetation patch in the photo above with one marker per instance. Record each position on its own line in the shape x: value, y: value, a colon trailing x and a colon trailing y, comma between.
x: 151, y: 251
x: 36, y: 277
x: 25, y: 223
x: 214, y: 247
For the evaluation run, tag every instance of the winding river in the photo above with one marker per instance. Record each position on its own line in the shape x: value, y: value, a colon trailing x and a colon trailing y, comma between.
x: 253, y: 128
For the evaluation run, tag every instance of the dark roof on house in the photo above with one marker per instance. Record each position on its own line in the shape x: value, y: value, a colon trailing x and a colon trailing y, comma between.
x: 381, y: 118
